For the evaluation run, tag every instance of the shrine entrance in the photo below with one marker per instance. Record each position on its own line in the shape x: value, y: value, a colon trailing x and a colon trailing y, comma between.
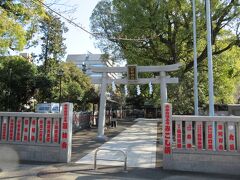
x: 132, y: 78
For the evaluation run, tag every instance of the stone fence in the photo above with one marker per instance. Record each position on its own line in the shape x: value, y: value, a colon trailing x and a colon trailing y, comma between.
x: 201, y: 143
x: 38, y: 137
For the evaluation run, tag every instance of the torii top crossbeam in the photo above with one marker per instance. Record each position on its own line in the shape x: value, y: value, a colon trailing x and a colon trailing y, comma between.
x: 166, y: 68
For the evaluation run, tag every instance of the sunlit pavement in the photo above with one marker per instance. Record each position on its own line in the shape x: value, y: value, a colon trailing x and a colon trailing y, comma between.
x: 138, y: 141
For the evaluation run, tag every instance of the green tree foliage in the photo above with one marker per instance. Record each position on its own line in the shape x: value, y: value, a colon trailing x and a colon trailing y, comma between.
x: 18, y: 22
x: 226, y: 69
x: 17, y: 82
x: 75, y: 86
x: 159, y: 32
x: 75, y: 83
x: 53, y: 47
x: 46, y: 81
x: 162, y: 30
x: 21, y: 80
x: 53, y: 50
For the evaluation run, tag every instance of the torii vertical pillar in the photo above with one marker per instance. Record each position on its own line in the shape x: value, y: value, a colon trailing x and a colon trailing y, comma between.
x: 102, y: 109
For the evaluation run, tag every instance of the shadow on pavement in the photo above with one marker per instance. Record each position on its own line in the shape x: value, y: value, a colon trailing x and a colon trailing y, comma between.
x: 85, y: 141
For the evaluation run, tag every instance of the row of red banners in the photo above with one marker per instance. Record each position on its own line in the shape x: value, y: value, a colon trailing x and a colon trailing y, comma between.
x: 225, y: 134
x: 34, y: 130
x: 220, y: 136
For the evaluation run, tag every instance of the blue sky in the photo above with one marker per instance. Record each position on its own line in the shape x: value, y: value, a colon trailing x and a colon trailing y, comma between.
x: 78, y: 41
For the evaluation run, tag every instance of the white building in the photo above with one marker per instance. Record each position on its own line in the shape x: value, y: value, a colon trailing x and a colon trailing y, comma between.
x: 85, y: 61
x: 27, y: 56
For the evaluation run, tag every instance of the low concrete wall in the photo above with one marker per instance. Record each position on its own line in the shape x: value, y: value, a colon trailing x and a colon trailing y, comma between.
x: 224, y: 163
x: 201, y: 143
x: 38, y: 137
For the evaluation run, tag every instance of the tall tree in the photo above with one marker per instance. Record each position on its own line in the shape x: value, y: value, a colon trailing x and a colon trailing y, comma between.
x: 158, y: 32
x: 17, y: 82
x: 74, y: 85
x: 161, y: 30
x: 53, y: 47
x: 18, y: 22
x: 45, y: 82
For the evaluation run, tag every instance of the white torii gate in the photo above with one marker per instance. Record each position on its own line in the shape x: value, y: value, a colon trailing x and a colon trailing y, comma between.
x: 105, y: 80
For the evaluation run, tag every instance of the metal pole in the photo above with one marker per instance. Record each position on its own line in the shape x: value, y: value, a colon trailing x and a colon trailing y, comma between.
x: 210, y: 67
x: 195, y: 60
x: 9, y: 88
x: 95, y: 159
x: 60, y: 74
x: 60, y: 93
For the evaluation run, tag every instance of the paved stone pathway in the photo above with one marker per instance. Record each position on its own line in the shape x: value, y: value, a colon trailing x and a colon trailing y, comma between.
x: 139, y: 141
